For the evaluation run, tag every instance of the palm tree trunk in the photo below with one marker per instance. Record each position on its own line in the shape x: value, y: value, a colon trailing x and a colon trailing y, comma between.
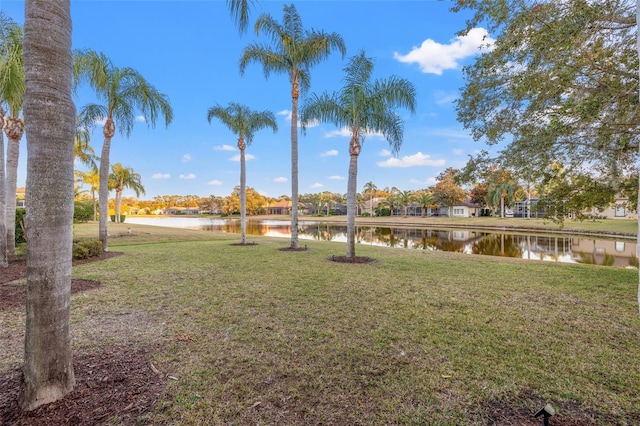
x: 118, y: 205
x: 4, y: 261
x: 352, y: 188
x: 95, y: 210
x: 50, y: 116
x: 294, y: 165
x: 243, y: 199
x: 13, y: 152
x: 103, y: 193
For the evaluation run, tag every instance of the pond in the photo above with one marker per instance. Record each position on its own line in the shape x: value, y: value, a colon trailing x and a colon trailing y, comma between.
x: 557, y: 248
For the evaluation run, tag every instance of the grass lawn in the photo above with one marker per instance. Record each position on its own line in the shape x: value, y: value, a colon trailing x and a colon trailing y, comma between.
x: 255, y: 335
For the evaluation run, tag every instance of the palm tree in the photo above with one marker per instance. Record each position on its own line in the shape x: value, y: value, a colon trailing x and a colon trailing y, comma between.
x: 362, y: 106
x: 92, y: 178
x: 370, y: 188
x: 501, y: 192
x: 294, y: 51
x: 123, y: 91
x: 121, y: 178
x: 82, y: 151
x: 426, y: 200
x: 244, y: 122
x: 405, y: 198
x: 12, y: 85
x: 50, y: 116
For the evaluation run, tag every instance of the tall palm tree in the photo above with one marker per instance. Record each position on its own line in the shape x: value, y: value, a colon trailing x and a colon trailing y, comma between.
x: 12, y: 85
x: 370, y: 188
x: 363, y: 106
x: 124, y: 177
x: 123, y: 91
x: 244, y: 122
x: 50, y: 116
x: 293, y: 51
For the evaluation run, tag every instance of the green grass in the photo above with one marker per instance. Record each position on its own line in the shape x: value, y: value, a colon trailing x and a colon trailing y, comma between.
x: 256, y: 335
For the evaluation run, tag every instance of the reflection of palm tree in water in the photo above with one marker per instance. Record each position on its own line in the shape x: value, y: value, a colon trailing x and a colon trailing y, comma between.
x: 497, y: 245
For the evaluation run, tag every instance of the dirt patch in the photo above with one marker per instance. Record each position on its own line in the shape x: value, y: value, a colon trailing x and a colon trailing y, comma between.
x: 252, y: 243
x: 114, y: 385
x: 293, y: 249
x: 14, y: 296
x: 18, y: 267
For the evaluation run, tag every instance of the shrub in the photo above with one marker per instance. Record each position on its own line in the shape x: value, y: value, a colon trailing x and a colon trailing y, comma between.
x: 365, y: 214
x: 85, y: 248
x: 20, y: 229
x: 82, y: 211
x: 113, y: 218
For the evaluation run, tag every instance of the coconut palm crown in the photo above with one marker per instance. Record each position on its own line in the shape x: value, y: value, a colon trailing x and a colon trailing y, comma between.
x: 363, y: 106
x: 123, y: 93
x: 243, y: 122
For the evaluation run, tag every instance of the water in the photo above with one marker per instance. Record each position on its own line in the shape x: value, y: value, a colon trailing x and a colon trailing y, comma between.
x: 555, y: 248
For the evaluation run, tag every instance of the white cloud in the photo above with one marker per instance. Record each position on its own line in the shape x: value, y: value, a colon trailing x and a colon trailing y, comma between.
x: 280, y: 179
x: 384, y: 153
x: 285, y: 113
x: 336, y: 177
x: 214, y: 182
x: 101, y: 121
x: 141, y: 118
x: 317, y: 185
x: 189, y: 176
x: 224, y: 148
x: 344, y: 132
x: 247, y: 157
x: 330, y: 153
x: 458, y: 151
x: 186, y: 158
x: 433, y: 57
x: 160, y: 176
x: 418, y: 159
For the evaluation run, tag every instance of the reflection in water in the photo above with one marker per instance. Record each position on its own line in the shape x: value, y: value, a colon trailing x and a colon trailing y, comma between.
x: 558, y: 248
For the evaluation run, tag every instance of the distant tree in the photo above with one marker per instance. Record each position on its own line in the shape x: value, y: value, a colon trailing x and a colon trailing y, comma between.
x: 294, y: 51
x: 362, y: 106
x: 426, y: 200
x: 123, y: 91
x: 124, y: 177
x: 243, y: 122
x: 405, y: 198
x: 447, y: 191
x: 370, y: 190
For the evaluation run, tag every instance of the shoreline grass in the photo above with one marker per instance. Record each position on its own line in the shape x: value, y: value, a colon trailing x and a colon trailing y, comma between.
x: 256, y: 335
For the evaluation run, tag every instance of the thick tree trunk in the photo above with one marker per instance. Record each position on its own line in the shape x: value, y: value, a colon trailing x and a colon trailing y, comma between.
x: 243, y: 199
x: 103, y: 193
x: 638, y: 161
x: 294, y: 165
x: 352, y: 189
x: 50, y: 116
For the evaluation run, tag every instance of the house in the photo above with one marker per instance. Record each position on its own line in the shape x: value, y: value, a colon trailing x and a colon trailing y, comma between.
x: 20, y: 195
x: 181, y: 210
x: 280, y: 207
x: 464, y: 209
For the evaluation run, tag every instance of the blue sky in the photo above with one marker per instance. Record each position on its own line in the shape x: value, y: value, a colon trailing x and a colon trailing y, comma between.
x: 190, y: 50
